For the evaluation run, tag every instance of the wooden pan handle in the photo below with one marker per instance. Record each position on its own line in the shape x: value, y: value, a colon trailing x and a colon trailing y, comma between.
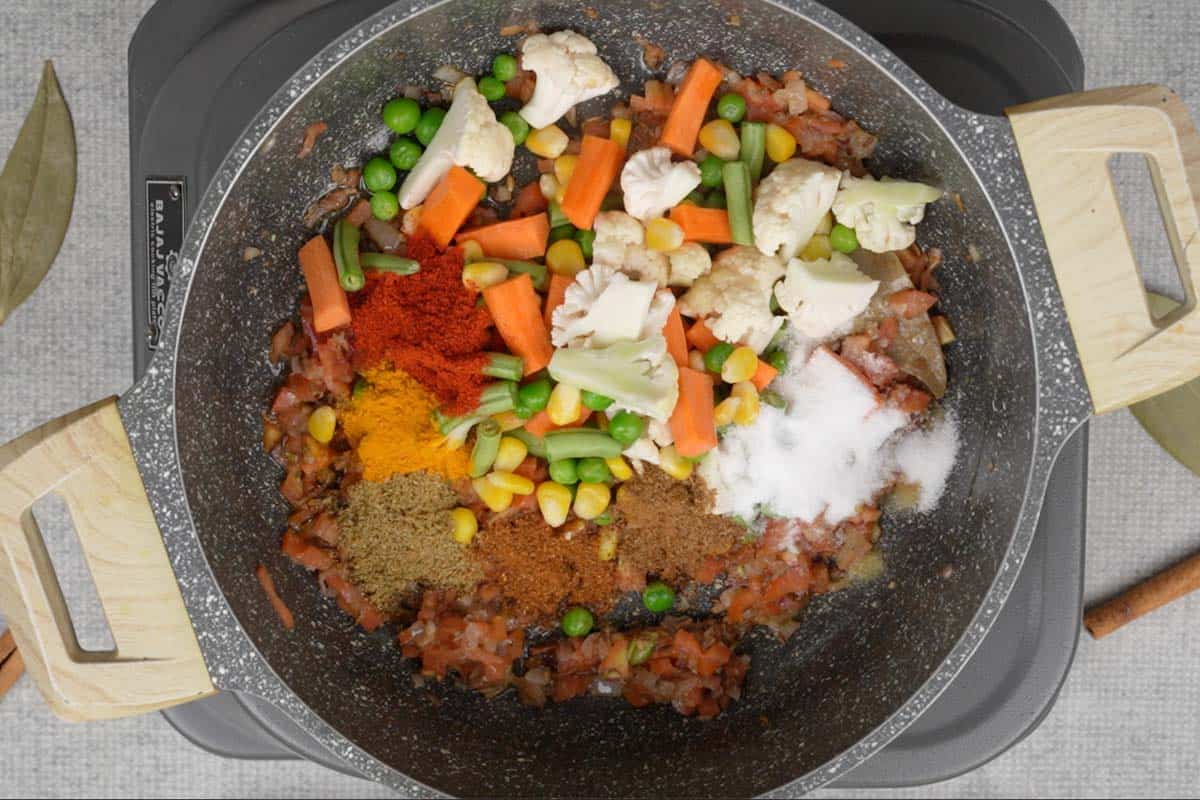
x: 1151, y: 594
x: 86, y: 458
x: 1065, y: 145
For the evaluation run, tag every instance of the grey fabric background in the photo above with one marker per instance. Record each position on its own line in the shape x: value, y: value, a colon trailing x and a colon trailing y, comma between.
x: 1128, y: 720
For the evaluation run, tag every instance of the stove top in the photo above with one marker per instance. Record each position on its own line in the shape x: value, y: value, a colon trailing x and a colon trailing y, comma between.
x: 198, y: 72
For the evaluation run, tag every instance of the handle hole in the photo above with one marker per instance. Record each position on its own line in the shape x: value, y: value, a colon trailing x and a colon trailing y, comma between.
x: 1155, y: 243
x: 82, y: 621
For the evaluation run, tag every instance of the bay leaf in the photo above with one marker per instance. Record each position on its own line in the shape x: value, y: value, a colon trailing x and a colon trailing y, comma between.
x: 37, y: 194
x: 1173, y: 418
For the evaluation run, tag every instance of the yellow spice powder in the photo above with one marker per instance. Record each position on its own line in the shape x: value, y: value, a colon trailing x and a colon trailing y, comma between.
x: 391, y: 423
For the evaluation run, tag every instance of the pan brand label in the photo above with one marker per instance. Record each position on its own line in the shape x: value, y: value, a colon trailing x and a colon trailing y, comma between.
x: 164, y: 239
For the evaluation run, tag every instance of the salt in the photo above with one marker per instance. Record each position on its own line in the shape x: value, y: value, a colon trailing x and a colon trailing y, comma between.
x: 925, y: 458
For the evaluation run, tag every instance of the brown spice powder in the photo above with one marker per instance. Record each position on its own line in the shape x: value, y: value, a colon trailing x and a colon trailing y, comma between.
x: 538, y: 569
x: 399, y: 533
x: 666, y: 525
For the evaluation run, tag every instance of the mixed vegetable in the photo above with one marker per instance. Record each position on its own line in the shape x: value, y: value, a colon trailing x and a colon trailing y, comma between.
x: 672, y: 260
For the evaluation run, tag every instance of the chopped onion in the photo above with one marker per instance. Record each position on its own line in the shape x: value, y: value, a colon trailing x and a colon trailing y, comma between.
x: 448, y: 73
x: 384, y: 236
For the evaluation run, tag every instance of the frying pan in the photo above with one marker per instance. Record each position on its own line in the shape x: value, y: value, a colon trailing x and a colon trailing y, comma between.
x: 175, y: 504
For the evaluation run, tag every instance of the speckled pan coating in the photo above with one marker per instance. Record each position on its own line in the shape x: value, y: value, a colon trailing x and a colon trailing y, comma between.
x: 866, y: 662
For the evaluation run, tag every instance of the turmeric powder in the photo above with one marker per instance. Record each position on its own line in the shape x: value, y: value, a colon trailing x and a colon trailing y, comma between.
x: 391, y: 423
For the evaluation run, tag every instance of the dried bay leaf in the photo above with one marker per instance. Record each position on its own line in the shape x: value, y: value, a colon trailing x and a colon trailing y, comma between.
x: 37, y: 193
x: 1173, y: 419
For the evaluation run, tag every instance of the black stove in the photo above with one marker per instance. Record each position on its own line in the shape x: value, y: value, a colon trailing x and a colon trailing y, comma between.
x: 199, y: 72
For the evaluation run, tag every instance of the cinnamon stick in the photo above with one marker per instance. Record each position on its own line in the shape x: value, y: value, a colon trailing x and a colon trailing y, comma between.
x: 1137, y: 601
x: 12, y: 666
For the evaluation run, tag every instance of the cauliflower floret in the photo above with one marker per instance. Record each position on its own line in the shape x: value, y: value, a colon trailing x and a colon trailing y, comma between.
x: 689, y: 263
x: 822, y: 296
x: 645, y: 449
x: 620, y: 243
x: 568, y: 72
x: 603, y: 306
x: 882, y: 213
x: 790, y: 203
x: 652, y: 183
x: 735, y: 297
x: 470, y: 137
x: 638, y: 375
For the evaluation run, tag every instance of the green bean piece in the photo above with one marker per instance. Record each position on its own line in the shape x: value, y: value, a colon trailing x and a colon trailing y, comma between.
x: 446, y: 424
x: 586, y: 239
x: 715, y: 356
x: 534, y: 444
x: 774, y: 399
x: 497, y: 398
x: 581, y: 443
x: 504, y: 366
x: 754, y: 147
x: 345, y: 256
x: 557, y: 217
x: 640, y: 650
x: 536, y: 272
x: 487, y: 446
x: 738, y: 201
x: 778, y: 359
x: 562, y: 232
x: 389, y: 263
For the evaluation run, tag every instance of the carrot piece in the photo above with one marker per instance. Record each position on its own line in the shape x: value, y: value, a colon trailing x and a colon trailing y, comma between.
x: 690, y: 107
x: 709, y: 225
x: 676, y: 339
x: 763, y: 375
x: 517, y: 311
x: 360, y: 213
x: 529, y: 201
x: 701, y: 337
x: 449, y: 204
x: 268, y: 586
x: 519, y: 239
x: 539, y: 424
x: 555, y: 296
x: 692, y: 424
x: 816, y: 100
x: 331, y: 309
x: 595, y: 172
x: 304, y: 553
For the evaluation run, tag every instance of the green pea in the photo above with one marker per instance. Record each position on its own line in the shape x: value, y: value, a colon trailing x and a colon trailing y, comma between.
x: 778, y: 359
x: 401, y: 114
x: 596, y: 402
x: 491, y: 88
x: 843, y: 239
x: 586, y: 239
x: 714, y: 359
x: 404, y: 153
x: 384, y: 205
x: 427, y: 126
x: 516, y: 125
x: 710, y: 171
x: 626, y: 427
x: 604, y: 519
x: 523, y: 411
x: 562, y: 232
x: 379, y: 175
x: 504, y: 67
x: 695, y: 197
x: 715, y: 199
x: 535, y: 394
x: 731, y: 106
x: 658, y: 597
x: 577, y: 622
x: 593, y: 470
x: 564, y: 471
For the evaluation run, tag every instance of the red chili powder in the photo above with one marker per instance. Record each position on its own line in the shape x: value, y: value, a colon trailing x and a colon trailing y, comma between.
x: 427, y: 324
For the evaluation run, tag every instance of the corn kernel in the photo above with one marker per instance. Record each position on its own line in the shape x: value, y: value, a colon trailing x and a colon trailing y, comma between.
x: 472, y: 251
x: 493, y: 496
x: 740, y: 366
x: 724, y: 413
x: 781, y: 145
x: 749, y: 404
x: 511, y: 482
x: 719, y: 138
x: 607, y: 547
x: 465, y: 525
x: 818, y: 248
x: 509, y: 421
x: 696, y: 361
x: 565, y: 257
x: 411, y: 221
x: 547, y: 142
x: 554, y: 500
x: 560, y: 193
x: 548, y: 184
x: 674, y: 464
x: 945, y: 333
x: 510, y: 455
x: 591, y: 500
x: 566, y: 403
x: 664, y: 235
x: 619, y: 130
x: 482, y: 274
x: 321, y: 424
x: 564, y: 168
x: 825, y: 226
x: 619, y: 468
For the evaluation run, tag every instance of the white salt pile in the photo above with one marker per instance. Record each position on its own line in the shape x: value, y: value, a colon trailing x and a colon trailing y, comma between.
x: 835, y: 447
